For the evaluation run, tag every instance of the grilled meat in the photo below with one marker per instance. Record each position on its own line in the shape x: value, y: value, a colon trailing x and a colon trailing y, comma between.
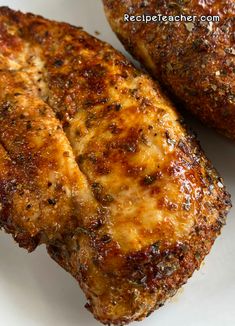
x: 194, y: 61
x: 96, y: 164
x: 42, y: 190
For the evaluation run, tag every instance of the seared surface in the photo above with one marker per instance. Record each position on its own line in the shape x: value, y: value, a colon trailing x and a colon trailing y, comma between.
x: 42, y: 190
x: 194, y: 61
x: 97, y: 164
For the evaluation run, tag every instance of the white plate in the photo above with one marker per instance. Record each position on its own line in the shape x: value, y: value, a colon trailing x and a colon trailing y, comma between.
x: 34, y: 291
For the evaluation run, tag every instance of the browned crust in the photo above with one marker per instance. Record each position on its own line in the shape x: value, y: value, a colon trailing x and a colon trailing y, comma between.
x: 112, y: 116
x: 195, y: 62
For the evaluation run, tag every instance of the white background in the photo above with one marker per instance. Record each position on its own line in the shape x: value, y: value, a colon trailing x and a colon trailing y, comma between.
x: 34, y: 291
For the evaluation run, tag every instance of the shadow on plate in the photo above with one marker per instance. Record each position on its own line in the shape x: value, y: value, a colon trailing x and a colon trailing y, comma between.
x: 33, y: 285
